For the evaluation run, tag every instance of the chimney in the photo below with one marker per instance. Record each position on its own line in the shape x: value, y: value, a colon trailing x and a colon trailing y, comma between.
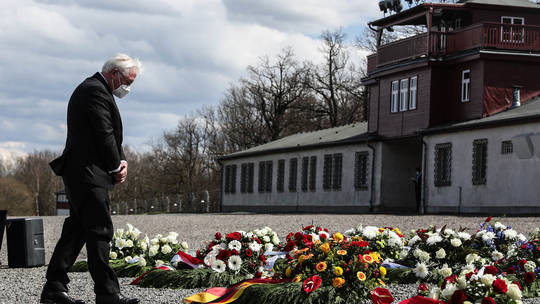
x: 516, y: 97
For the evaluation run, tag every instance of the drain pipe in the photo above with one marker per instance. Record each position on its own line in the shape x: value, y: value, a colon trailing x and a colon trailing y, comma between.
x: 423, y: 186
x: 372, y: 191
x: 516, y: 102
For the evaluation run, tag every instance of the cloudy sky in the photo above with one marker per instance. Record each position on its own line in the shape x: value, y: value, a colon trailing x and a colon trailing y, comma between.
x: 192, y: 50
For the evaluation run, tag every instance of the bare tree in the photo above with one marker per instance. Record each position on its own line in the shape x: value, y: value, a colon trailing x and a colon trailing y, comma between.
x: 15, y: 197
x: 336, y: 83
x: 274, y: 87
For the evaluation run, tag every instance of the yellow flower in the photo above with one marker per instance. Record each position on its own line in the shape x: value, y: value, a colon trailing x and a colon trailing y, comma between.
x: 317, y: 242
x: 338, y: 237
x: 302, y: 258
x: 342, y: 252
x: 288, y: 271
x: 321, y: 266
x: 383, y: 271
x: 368, y: 258
x: 338, y: 282
x: 325, y: 247
x: 381, y: 282
x: 338, y: 271
x: 297, y: 278
x: 361, y: 276
x: 376, y: 256
x: 381, y: 229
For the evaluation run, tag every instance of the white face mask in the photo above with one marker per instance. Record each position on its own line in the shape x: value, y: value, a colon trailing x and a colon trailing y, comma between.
x: 122, y: 90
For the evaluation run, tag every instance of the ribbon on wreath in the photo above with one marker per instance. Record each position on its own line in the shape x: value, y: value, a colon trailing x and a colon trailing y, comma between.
x: 160, y: 267
x: 421, y: 300
x: 228, y: 294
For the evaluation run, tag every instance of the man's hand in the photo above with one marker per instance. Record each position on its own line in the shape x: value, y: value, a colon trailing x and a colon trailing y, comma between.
x: 121, y: 175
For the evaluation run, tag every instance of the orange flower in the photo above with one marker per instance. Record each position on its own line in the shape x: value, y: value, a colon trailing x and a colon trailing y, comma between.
x: 338, y: 282
x: 325, y: 247
x: 381, y: 282
x: 361, y: 276
x: 368, y: 258
x: 288, y: 272
x: 321, y: 266
x: 342, y: 252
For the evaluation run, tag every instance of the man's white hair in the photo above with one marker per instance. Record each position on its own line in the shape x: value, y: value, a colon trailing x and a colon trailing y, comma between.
x: 123, y: 63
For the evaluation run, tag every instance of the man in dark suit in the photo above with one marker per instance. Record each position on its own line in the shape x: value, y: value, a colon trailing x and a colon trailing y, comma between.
x: 92, y: 162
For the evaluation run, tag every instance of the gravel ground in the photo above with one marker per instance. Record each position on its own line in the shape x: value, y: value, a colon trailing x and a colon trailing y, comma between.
x: 24, y: 285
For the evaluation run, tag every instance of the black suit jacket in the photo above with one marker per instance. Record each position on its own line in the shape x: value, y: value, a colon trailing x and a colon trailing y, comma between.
x: 94, y: 137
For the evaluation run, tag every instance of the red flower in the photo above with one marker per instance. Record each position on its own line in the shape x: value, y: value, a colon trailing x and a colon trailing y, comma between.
x: 290, y: 245
x: 518, y: 285
x: 488, y: 300
x: 258, y: 274
x: 262, y: 258
x: 218, y: 236
x: 258, y: 241
x: 491, y: 270
x: 234, y: 252
x: 529, y: 277
x: 325, y: 230
x: 223, y: 255
x: 289, y: 236
x: 488, y: 219
x: 458, y: 297
x: 521, y: 263
x: 248, y: 252
x: 323, y: 237
x: 311, y: 283
x: 500, y: 286
x: 510, y: 270
x: 306, y: 238
x: 234, y: 236
x: 381, y: 296
x: 538, y: 248
x: 307, y: 227
x: 319, y: 229
x: 298, y: 236
x: 423, y: 287
x: 359, y: 244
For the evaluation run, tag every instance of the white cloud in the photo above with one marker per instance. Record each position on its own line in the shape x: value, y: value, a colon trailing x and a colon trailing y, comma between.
x: 192, y: 50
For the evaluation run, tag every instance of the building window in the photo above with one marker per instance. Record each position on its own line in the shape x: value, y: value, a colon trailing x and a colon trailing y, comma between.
x: 312, y: 172
x: 293, y: 173
x: 511, y: 31
x: 507, y: 147
x: 412, y: 93
x: 327, y: 172
x: 337, y: 170
x: 251, y: 173
x: 281, y: 175
x: 465, y: 85
x: 305, y: 169
x: 443, y: 164
x: 479, y: 162
x: 395, y: 96
x: 262, y: 176
x: 268, y: 179
x: 243, y: 178
x: 230, y: 179
x: 404, y: 94
x: 361, y: 170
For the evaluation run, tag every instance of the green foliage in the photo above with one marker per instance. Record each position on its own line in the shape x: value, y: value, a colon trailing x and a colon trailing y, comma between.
x: 189, y: 278
x: 401, y: 276
x: 122, y: 269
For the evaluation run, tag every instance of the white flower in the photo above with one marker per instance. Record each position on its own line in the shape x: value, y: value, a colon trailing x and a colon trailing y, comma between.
x: 184, y: 245
x: 394, y: 240
x: 136, y: 233
x: 487, y: 279
x: 142, y: 262
x: 403, y: 254
x: 370, y: 232
x: 435, y: 293
x: 350, y: 232
x: 424, y: 256
x: 143, y: 245
x: 255, y: 247
x: 471, y: 258
x: 120, y: 243
x: 266, y: 239
x: 166, y: 249
x: 113, y: 255
x: 529, y: 266
x: 154, y: 241
x: 159, y: 262
x: 445, y: 271
x: 209, y: 260
x: 130, y: 227
x: 499, y: 226
x: 119, y: 233
x: 235, y: 245
x: 464, y: 236
x: 218, y: 266
x: 521, y: 237
x: 421, y: 270
x: 154, y: 249
x: 171, y: 238
x: 461, y: 282
x: 440, y: 254
x: 510, y: 234
x: 249, y: 235
x: 326, y: 234
x: 434, y: 239
x: 129, y: 243
x: 275, y: 239
x: 467, y: 268
x: 314, y: 237
x: 413, y: 240
x: 495, y: 255
x: 488, y: 236
x: 235, y: 262
x: 514, y: 292
x: 268, y: 247
x: 448, y: 290
x: 128, y: 259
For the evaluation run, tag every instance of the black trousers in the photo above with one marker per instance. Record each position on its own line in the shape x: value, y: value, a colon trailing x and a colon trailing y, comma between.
x: 89, y: 223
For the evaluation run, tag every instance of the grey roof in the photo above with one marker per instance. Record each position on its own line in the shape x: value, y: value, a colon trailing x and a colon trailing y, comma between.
x: 516, y: 3
x: 308, y: 139
x: 528, y: 110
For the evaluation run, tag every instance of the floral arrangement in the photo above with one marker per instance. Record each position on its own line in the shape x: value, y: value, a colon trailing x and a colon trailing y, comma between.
x: 387, y: 241
x: 237, y: 252
x: 434, y: 254
x: 305, y: 237
x: 485, y: 288
x: 496, y: 240
x: 338, y: 264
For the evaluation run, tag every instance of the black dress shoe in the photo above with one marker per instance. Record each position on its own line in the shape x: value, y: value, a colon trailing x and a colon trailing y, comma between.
x: 115, y: 299
x: 58, y: 297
